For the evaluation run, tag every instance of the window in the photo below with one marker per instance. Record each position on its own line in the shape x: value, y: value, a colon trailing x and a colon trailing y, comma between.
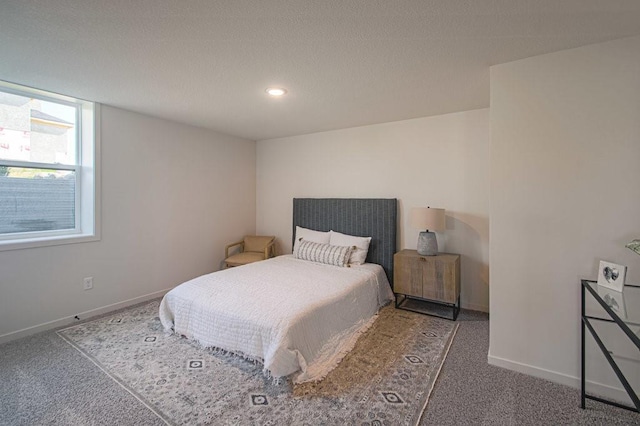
x: 48, y: 168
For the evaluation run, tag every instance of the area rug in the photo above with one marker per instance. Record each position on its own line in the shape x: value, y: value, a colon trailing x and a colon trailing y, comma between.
x: 385, y: 380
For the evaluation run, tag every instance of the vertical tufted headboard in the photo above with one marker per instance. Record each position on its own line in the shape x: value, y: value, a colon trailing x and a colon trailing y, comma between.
x: 363, y: 217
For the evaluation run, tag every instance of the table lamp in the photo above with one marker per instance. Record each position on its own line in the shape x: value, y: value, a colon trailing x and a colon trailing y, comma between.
x: 431, y: 220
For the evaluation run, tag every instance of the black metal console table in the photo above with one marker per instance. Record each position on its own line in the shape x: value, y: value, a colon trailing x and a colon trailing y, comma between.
x: 613, y: 305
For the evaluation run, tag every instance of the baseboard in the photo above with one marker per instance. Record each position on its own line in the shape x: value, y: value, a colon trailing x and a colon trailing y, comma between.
x: 474, y: 307
x: 82, y: 315
x: 594, y: 388
x: 531, y: 370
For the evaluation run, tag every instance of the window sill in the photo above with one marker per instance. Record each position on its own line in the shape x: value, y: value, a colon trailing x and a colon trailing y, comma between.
x: 47, y: 241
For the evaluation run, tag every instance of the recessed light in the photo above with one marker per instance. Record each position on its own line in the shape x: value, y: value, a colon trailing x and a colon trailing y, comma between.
x: 276, y: 91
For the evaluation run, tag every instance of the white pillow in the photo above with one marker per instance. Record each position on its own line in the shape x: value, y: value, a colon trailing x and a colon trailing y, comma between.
x: 309, y: 235
x: 323, y: 253
x: 358, y: 255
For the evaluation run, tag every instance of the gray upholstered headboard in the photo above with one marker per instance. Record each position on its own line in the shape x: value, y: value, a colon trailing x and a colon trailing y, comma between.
x: 364, y: 217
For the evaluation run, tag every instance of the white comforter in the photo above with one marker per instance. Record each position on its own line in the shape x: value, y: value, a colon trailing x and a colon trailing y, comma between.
x: 294, y: 316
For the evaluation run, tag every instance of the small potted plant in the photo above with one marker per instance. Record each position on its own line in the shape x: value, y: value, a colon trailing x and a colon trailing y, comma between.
x: 634, y: 246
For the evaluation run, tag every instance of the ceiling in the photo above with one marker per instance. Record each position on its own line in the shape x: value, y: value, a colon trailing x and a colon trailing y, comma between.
x: 344, y: 63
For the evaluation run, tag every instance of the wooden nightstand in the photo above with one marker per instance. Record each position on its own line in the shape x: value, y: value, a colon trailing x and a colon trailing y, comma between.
x: 433, y: 279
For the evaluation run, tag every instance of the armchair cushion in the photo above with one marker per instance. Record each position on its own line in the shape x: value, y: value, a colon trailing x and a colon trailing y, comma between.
x: 244, y: 258
x: 257, y: 243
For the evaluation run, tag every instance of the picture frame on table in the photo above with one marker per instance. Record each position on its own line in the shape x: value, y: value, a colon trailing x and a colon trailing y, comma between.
x: 611, y: 275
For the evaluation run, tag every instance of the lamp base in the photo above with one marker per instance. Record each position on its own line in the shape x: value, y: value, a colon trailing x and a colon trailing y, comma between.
x: 427, y: 244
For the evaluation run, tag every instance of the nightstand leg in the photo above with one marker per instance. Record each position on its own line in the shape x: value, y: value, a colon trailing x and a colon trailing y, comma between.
x: 456, y: 309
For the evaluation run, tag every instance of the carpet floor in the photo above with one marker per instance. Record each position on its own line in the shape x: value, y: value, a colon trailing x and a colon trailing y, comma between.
x: 43, y: 380
x: 469, y: 391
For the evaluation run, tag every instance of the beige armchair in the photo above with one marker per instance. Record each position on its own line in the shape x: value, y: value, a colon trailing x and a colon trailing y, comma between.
x: 252, y: 249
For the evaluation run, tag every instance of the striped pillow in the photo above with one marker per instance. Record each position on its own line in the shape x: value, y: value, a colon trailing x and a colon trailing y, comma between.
x: 323, y: 253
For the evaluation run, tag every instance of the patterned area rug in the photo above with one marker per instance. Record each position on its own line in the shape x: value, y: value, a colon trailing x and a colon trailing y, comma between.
x: 385, y: 380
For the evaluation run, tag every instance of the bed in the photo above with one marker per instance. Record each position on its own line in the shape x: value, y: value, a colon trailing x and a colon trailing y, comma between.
x: 297, y: 317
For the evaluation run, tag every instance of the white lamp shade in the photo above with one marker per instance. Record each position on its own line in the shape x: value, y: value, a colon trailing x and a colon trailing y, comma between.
x: 427, y: 218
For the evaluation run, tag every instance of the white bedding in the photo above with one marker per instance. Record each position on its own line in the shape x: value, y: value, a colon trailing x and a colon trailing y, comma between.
x: 293, y: 315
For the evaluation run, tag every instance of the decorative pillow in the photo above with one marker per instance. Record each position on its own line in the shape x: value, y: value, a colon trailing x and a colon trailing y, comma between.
x: 310, y: 235
x: 323, y: 253
x: 358, y: 255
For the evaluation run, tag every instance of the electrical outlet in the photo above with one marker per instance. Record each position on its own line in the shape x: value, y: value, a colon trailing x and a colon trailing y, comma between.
x: 88, y: 283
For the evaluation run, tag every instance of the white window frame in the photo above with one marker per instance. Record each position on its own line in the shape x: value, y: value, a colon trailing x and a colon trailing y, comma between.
x: 87, y: 175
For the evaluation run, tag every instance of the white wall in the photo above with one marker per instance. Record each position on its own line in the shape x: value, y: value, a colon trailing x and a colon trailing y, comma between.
x: 565, y: 193
x: 439, y: 161
x: 172, y: 197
